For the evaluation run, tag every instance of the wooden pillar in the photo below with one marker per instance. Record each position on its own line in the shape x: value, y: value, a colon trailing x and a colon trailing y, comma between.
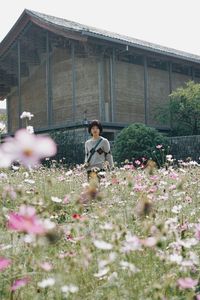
x: 170, y: 77
x: 170, y: 90
x: 112, y: 85
x: 73, y: 82
x: 48, y: 82
x: 19, y: 83
x: 9, y: 119
x: 146, y: 104
x: 101, y: 88
x: 193, y: 73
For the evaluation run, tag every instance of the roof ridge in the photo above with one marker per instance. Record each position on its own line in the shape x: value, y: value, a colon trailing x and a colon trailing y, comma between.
x: 87, y: 30
x: 120, y: 36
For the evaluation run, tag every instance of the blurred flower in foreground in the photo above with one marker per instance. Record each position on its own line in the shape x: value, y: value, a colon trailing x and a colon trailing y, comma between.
x: 197, y: 233
x: 46, y: 282
x: 27, y: 148
x: 4, y: 263
x: 187, y: 283
x: 26, y: 221
x: 5, y: 160
x: 19, y: 283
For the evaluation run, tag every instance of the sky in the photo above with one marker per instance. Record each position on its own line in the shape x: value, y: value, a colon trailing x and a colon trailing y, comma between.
x: 171, y: 23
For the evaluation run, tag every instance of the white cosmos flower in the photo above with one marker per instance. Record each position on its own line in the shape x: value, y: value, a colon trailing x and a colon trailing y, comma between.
x: 46, y: 282
x: 131, y: 243
x: 176, y: 209
x: 69, y: 173
x: 113, y: 276
x: 102, y: 272
x: 30, y: 129
x: 126, y: 265
x: 107, y: 226
x: 29, y: 181
x: 176, y: 258
x: 71, y: 288
x: 26, y: 114
x: 102, y: 245
x: 56, y: 199
x: 48, y: 225
x: 188, y: 243
x: 27, y: 148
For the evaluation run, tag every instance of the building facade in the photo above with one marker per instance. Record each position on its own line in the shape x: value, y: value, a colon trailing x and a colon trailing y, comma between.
x: 66, y: 74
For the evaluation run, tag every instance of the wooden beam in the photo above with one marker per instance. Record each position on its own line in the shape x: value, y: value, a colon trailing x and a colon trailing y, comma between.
x: 170, y: 77
x: 48, y: 82
x: 9, y: 119
x: 146, y: 97
x: 112, y: 84
x: 59, y: 31
x: 101, y: 87
x: 170, y: 90
x: 193, y: 73
x: 73, y: 81
x: 19, y: 83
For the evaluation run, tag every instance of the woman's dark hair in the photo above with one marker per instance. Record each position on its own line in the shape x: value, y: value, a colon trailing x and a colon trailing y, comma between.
x: 95, y: 123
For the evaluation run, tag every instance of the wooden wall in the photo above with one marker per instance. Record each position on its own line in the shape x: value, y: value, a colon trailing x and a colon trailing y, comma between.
x: 129, y: 92
x: 87, y: 86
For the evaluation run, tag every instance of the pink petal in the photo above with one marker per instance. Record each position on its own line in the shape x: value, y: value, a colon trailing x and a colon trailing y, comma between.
x: 4, y: 263
x: 187, y: 283
x: 19, y: 283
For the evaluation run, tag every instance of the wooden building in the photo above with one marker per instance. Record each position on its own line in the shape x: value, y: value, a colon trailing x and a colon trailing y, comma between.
x: 66, y: 73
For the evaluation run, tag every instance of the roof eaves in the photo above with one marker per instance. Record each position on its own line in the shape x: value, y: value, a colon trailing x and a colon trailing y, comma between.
x: 139, y: 46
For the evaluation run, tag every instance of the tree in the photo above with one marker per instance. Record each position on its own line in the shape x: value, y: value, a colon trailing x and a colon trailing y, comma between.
x: 183, y: 110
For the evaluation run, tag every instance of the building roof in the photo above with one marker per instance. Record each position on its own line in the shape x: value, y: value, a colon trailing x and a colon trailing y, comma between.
x: 63, y: 26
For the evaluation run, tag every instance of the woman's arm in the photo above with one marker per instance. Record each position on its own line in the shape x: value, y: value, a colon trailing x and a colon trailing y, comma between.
x: 108, y: 155
x: 86, y: 152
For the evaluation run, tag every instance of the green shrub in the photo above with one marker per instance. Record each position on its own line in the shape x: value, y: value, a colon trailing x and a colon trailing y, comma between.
x: 137, y: 143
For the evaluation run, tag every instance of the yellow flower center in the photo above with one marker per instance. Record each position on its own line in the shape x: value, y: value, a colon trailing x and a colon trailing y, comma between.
x: 28, y: 152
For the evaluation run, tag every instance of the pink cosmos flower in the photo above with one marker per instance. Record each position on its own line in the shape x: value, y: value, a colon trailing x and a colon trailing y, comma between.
x: 197, y: 233
x: 5, y: 160
x: 46, y: 266
x: 187, y: 283
x: 28, y: 148
x: 19, y: 283
x: 149, y: 242
x: 26, y: 221
x: 139, y: 187
x: 159, y: 146
x: 4, y: 263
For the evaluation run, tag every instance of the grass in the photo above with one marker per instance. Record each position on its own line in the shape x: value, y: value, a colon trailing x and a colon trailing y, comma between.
x: 127, y: 209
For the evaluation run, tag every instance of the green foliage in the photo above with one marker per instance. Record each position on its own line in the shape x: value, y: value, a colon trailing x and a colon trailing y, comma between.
x: 142, y: 263
x: 137, y: 141
x: 183, y: 110
x: 70, y: 146
x: 3, y: 118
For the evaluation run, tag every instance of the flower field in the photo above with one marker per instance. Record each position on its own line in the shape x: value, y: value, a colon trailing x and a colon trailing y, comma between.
x: 136, y: 236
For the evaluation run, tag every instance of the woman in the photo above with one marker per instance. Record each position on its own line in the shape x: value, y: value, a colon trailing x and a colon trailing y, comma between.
x: 97, y: 151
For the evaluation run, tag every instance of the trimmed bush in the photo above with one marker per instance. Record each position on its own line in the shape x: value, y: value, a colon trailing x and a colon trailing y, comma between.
x: 138, y: 143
